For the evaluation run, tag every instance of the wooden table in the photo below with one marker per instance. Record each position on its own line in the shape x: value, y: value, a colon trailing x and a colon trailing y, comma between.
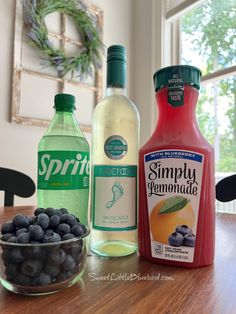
x: 133, y: 285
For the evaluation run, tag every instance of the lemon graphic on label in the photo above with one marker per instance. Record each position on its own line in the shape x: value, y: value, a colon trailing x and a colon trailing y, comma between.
x: 167, y: 214
x: 118, y: 192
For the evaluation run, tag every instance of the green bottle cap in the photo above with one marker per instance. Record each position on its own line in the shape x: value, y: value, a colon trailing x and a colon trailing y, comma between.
x: 64, y: 102
x: 116, y: 66
x: 188, y: 74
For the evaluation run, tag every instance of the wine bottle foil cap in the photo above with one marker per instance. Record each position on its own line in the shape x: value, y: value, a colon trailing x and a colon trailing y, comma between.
x: 188, y: 74
x: 116, y: 53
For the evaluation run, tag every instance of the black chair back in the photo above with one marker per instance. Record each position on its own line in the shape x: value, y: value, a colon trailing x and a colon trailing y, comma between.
x: 13, y: 182
x: 226, y: 189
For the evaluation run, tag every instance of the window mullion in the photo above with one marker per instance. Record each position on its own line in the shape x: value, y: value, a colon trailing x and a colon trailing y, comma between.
x: 182, y: 8
x: 219, y: 75
x: 175, y: 49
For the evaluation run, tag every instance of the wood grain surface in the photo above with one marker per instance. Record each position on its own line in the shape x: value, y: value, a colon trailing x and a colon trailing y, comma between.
x: 133, y: 285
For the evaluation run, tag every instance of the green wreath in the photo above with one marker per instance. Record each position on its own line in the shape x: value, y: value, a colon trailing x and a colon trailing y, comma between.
x: 34, y: 12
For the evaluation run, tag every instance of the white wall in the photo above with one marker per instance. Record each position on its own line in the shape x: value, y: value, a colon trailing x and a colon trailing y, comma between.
x: 18, y: 143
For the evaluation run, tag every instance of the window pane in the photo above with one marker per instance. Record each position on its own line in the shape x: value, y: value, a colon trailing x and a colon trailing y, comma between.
x: 216, y: 114
x: 208, y: 36
x: 208, y: 41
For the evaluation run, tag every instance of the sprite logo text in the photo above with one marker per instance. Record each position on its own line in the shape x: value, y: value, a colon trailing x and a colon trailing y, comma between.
x: 63, y: 170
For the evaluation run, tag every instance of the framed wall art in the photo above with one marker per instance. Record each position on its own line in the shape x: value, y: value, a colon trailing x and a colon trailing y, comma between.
x: 55, y: 52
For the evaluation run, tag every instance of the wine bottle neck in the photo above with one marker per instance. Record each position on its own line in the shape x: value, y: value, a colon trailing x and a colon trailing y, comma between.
x: 112, y: 91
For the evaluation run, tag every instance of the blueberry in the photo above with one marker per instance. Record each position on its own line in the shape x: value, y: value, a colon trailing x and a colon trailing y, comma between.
x: 6, y: 257
x: 183, y: 230
x: 56, y: 257
x: 76, y: 249
x: 11, y: 270
x: 189, y: 240
x: 76, y: 253
x: 31, y: 267
x: 33, y: 220
x: 23, y: 238
x: 79, y: 258
x: 52, y: 270
x: 51, y: 237
x: 21, y: 221
x: 49, y: 231
x: 54, y: 221
x: 35, y: 251
x: 36, y: 232
x: 19, y: 231
x: 75, y: 269
x: 16, y: 255
x: 42, y: 279
x: 20, y: 279
x: 6, y: 236
x: 12, y: 239
x: 176, y: 239
x: 77, y: 230
x: 68, y: 219
x: 67, y: 236
x: 8, y: 227
x: 42, y: 220
x: 39, y: 211
x: 68, y: 264
x: 63, y: 229
x: 63, y: 276
x: 52, y: 211
x: 84, y: 228
x: 63, y: 211
x: 30, y: 219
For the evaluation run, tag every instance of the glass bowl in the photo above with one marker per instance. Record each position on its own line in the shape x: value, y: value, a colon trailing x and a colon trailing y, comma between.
x: 42, y: 268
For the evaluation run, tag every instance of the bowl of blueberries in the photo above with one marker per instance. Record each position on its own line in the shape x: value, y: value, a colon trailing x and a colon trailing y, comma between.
x: 43, y: 253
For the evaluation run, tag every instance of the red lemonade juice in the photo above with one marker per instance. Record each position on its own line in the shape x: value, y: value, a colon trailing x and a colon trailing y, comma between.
x: 176, y: 185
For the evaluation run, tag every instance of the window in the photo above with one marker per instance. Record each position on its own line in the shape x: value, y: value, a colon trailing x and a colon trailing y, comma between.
x: 204, y: 35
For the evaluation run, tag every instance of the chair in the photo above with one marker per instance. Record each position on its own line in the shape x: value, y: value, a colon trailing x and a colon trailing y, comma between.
x: 13, y: 182
x: 226, y: 189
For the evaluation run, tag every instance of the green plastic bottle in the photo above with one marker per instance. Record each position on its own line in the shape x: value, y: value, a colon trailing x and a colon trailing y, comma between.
x: 63, y: 162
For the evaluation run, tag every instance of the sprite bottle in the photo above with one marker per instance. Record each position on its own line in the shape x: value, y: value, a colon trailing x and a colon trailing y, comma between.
x: 63, y: 162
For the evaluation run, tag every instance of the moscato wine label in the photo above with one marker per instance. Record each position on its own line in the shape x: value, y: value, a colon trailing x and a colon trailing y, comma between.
x: 114, y: 198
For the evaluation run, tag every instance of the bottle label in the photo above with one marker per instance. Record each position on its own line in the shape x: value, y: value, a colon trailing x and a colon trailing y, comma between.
x: 115, y: 147
x: 63, y: 170
x: 173, y: 188
x: 114, y: 198
x: 176, y: 89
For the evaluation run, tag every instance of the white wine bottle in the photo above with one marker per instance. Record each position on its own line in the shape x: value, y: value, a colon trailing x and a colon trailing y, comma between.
x: 115, y: 145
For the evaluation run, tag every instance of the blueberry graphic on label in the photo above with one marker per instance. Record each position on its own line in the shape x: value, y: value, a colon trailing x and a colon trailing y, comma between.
x: 118, y: 192
x: 176, y: 239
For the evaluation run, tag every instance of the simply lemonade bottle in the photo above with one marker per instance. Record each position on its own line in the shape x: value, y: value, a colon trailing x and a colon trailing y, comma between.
x: 176, y: 178
x: 115, y: 144
x: 63, y: 162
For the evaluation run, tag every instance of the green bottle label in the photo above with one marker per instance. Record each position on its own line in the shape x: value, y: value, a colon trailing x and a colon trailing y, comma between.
x: 176, y: 90
x: 63, y: 170
x: 114, y: 198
